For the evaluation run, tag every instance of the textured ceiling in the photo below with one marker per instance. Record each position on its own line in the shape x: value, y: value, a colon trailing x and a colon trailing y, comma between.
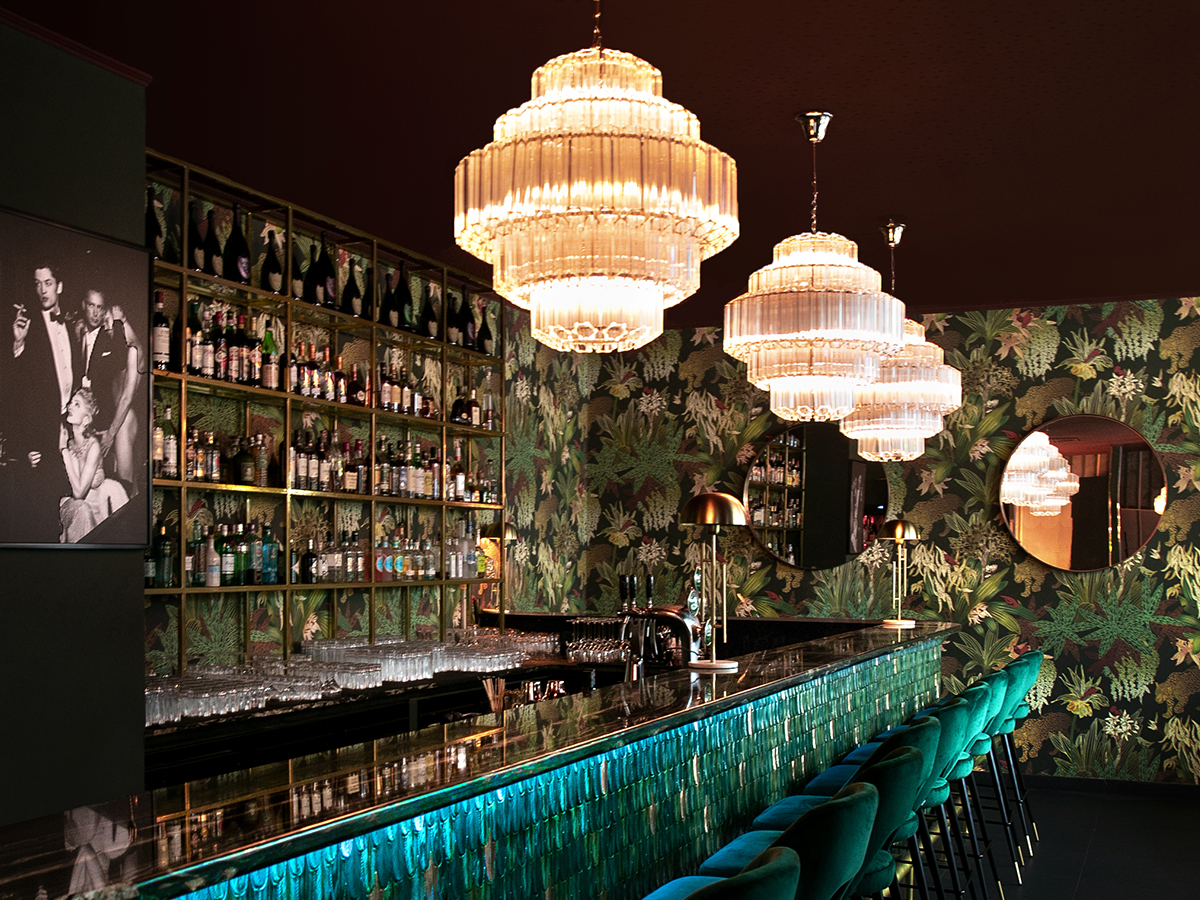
x: 1038, y: 151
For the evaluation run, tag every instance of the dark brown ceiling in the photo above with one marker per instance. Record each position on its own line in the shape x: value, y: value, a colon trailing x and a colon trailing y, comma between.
x: 1039, y: 152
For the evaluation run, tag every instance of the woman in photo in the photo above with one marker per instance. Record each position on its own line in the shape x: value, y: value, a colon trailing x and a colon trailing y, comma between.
x: 93, y: 496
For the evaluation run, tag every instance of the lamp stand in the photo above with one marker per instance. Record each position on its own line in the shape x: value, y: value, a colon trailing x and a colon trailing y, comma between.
x: 713, y: 578
x: 900, y: 588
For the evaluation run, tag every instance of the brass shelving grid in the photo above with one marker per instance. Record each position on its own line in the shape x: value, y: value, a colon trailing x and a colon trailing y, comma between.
x: 188, y: 183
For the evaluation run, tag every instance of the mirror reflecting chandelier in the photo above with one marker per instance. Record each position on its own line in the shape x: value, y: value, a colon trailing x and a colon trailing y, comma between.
x: 893, y: 417
x: 595, y: 202
x: 813, y: 325
x: 1038, y: 477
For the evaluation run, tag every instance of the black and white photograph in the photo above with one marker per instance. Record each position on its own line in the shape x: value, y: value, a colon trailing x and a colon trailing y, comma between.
x: 74, y: 387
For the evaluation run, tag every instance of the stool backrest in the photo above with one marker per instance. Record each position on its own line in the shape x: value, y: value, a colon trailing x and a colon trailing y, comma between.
x: 772, y: 875
x: 831, y: 841
x: 955, y: 717
x: 999, y: 681
x: 897, y: 778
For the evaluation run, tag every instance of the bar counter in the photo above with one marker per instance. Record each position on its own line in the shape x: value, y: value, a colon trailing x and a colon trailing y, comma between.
x: 606, y: 794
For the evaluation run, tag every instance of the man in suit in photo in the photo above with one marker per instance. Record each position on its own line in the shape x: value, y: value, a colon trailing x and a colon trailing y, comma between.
x: 111, y: 365
x: 41, y: 372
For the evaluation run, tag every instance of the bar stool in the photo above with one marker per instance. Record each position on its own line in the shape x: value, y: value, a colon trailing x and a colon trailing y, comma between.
x: 980, y: 696
x: 1024, y: 672
x: 772, y: 875
x: 830, y: 839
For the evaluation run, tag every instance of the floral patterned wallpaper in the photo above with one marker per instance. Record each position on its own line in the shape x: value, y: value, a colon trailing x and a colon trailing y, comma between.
x: 603, y: 451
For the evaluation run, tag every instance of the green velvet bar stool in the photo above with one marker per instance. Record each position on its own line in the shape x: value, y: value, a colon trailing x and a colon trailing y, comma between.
x: 897, y: 778
x: 830, y: 839
x: 1024, y: 672
x: 954, y: 717
x: 980, y: 696
x: 998, y: 682
x: 772, y: 875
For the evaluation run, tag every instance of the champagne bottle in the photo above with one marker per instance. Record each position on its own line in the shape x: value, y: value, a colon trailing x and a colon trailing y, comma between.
x: 327, y: 287
x: 314, y: 290
x: 352, y: 298
x: 484, y: 341
x: 429, y: 318
x: 154, y: 232
x: 271, y: 274
x: 466, y: 325
x: 453, y: 321
x: 195, y: 242
x: 388, y: 313
x: 298, y: 280
x: 402, y: 301
x: 160, y: 335
x: 214, y: 262
x: 237, y: 252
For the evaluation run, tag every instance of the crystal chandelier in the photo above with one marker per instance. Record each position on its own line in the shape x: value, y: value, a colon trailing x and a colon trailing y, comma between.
x: 596, y: 202
x: 893, y: 417
x: 814, y: 324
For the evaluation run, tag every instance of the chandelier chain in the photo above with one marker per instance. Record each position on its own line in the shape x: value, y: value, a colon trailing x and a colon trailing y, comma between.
x: 892, y: 248
x: 596, y: 39
x: 814, y: 200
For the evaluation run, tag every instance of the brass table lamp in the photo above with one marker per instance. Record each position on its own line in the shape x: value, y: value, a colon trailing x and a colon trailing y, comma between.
x: 716, y: 509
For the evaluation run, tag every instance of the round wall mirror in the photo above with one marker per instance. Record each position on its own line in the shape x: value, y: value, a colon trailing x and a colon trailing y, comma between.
x: 813, y: 502
x: 1083, y: 493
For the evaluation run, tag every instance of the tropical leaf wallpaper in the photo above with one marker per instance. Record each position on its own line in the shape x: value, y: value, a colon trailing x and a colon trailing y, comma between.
x: 602, y: 452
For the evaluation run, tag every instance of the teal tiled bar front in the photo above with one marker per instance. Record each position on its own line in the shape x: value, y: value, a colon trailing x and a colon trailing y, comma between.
x: 613, y: 816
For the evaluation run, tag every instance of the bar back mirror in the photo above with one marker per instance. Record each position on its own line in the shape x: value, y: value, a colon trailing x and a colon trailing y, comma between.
x: 814, y: 503
x: 1083, y: 493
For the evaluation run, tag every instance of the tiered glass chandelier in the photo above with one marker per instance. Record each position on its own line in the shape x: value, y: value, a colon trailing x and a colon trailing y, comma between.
x: 596, y: 202
x: 814, y: 324
x: 893, y: 417
x: 1038, y: 477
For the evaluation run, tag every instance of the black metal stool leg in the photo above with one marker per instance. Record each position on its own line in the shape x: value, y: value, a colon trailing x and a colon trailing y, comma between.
x: 951, y: 859
x: 1022, y: 791
x: 973, y: 831
x: 1002, y: 803
x: 931, y: 858
x: 956, y: 827
x: 973, y: 795
x: 918, y: 867
x: 1019, y: 818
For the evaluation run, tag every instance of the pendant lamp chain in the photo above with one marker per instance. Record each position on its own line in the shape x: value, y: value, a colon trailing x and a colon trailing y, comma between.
x: 596, y: 40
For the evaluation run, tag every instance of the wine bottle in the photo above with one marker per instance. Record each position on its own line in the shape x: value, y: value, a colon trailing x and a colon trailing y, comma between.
x: 254, y: 357
x: 237, y: 251
x: 214, y: 263
x: 466, y: 324
x: 308, y: 565
x: 314, y: 290
x: 195, y: 334
x: 164, y: 558
x: 271, y: 274
x: 270, y: 360
x: 195, y: 242
x: 154, y: 232
x: 356, y: 390
x: 341, y: 383
x: 170, y: 447
x: 352, y: 298
x: 220, y: 350
x: 160, y: 335
x: 369, y: 304
x: 453, y: 322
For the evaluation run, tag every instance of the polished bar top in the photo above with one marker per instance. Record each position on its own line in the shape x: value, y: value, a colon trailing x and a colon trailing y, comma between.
x: 182, y: 837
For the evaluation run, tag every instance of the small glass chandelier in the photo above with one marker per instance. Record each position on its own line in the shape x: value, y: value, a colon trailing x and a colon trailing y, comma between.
x: 893, y: 417
x: 596, y: 202
x: 814, y: 324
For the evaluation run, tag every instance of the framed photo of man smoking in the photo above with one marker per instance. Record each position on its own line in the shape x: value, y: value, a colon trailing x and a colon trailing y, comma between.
x: 75, y: 387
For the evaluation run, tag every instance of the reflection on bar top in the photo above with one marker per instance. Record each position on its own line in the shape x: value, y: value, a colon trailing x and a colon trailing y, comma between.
x: 336, y: 794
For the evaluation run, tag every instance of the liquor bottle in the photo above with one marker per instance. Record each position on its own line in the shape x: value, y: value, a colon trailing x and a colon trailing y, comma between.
x: 254, y: 563
x: 233, y: 350
x: 471, y: 414
x: 383, y: 559
x: 362, y: 471
x: 416, y: 473
x: 220, y: 350
x: 432, y: 470
x: 212, y: 458
x: 207, y: 346
x: 428, y: 326
x: 195, y: 242
x: 270, y: 566
x: 432, y: 560
x: 384, y: 400
x: 262, y: 461
x: 160, y: 335
x: 153, y: 568
x: 328, y: 276
x: 170, y: 447
x: 212, y: 561
x: 314, y: 462
x: 313, y: 372
x: 325, y: 464
x: 157, y: 450
x: 243, y: 462
x: 154, y: 232
x: 241, y: 557
x: 314, y: 288
x: 237, y: 251
x: 352, y: 298
x: 456, y: 484
x: 406, y: 395
x: 227, y: 548
x: 331, y: 561
x: 214, y: 263
x: 270, y: 276
x: 337, y: 467
x: 193, y: 558
x: 356, y: 390
x: 194, y: 339
x: 270, y: 359
x: 297, y: 276
x: 328, y: 376
x: 484, y: 342
x: 308, y: 565
x: 399, y: 473
x: 341, y: 383
x: 249, y: 354
x: 458, y: 410
x: 470, y: 563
